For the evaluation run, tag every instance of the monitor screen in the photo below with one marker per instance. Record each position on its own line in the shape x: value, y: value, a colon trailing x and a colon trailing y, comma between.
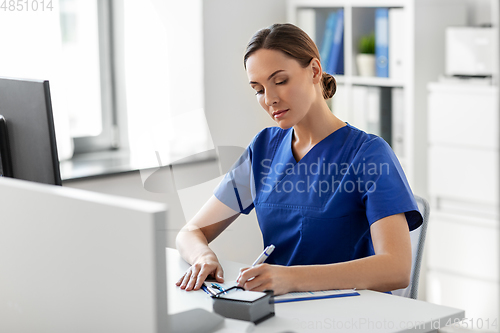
x: 28, y: 127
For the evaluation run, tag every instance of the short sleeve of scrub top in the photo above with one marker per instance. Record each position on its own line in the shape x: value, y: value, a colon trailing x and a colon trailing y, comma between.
x: 319, y: 210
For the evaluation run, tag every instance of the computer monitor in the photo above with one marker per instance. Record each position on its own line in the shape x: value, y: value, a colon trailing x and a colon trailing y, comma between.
x: 27, y: 137
x: 79, y: 261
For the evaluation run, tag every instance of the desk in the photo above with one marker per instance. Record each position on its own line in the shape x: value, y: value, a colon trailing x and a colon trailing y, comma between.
x: 370, y: 312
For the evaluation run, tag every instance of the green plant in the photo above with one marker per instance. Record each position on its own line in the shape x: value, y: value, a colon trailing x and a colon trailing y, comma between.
x: 367, y: 44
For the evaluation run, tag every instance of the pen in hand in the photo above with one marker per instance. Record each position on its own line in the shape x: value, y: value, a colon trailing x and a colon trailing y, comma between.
x: 263, y: 257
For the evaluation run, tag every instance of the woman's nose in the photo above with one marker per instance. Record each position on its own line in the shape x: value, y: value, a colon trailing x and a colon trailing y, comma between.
x: 271, y: 98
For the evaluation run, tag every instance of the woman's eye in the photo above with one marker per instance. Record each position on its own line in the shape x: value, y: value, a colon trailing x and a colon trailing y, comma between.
x: 259, y: 92
x: 281, y: 82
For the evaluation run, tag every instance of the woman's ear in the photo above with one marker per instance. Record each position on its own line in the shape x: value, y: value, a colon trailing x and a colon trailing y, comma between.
x: 316, y: 70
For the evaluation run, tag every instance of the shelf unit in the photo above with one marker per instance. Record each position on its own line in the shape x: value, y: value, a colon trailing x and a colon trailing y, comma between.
x: 424, y: 30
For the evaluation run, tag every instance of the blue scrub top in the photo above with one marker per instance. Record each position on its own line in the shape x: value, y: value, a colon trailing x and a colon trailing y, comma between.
x: 319, y: 210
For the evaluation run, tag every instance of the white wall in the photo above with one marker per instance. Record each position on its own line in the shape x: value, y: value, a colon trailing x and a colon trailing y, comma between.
x: 232, y: 111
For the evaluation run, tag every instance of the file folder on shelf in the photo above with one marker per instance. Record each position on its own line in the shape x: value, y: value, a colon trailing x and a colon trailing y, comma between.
x: 382, y: 42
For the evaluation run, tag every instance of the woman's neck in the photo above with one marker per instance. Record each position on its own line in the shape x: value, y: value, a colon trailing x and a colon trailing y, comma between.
x: 319, y: 123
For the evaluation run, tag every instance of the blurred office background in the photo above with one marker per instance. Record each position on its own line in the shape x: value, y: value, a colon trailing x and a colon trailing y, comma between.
x: 151, y: 101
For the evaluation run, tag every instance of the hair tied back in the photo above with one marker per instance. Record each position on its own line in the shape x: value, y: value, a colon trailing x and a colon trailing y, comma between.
x: 329, y: 85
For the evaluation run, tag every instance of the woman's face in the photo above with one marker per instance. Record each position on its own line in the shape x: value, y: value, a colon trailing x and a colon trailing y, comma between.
x: 283, y: 87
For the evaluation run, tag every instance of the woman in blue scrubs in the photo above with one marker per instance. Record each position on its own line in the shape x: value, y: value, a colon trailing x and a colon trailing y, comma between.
x: 333, y: 199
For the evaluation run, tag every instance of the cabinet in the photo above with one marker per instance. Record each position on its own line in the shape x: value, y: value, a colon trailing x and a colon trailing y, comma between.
x: 462, y: 237
x: 423, y: 31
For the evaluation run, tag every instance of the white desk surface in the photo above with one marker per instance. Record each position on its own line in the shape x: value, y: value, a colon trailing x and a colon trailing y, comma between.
x: 370, y: 312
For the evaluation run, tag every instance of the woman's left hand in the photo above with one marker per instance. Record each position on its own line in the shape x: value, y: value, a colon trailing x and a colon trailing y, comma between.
x: 266, y: 277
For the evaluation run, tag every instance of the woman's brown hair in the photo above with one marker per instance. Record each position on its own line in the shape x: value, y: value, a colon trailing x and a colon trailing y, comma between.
x: 295, y: 43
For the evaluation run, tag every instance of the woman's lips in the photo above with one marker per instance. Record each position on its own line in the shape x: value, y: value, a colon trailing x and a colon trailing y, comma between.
x: 280, y: 113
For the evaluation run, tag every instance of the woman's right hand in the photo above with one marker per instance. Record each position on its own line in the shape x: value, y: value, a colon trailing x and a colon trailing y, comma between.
x: 195, y: 275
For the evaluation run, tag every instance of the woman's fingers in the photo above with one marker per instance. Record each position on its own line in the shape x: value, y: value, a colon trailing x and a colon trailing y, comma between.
x: 194, y: 277
x: 185, y: 279
x: 256, y: 284
x: 195, y: 270
x: 178, y: 283
x: 219, y: 274
x: 247, y: 274
x: 266, y: 277
x: 205, y: 270
x: 241, y: 272
x: 182, y: 280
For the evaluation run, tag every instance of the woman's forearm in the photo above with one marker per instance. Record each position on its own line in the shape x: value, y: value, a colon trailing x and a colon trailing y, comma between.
x: 192, y: 245
x: 382, y: 272
x: 192, y: 240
